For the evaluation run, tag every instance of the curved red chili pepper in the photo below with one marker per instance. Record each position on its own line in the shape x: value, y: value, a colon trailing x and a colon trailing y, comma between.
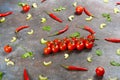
x: 6, y: 14
x: 117, y: 3
x: 89, y: 29
x: 21, y: 28
x: 43, y: 1
x: 60, y: 31
x: 25, y: 74
x: 115, y: 40
x: 87, y: 12
x: 54, y: 17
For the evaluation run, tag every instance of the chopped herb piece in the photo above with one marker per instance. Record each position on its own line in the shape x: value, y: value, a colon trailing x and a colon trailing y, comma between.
x: 75, y: 34
x: 116, y: 10
x: 43, y: 41
x: 59, y: 9
x: 2, y: 20
x: 107, y: 16
x: 43, y: 20
x: 106, y: 1
x: 102, y: 25
x: 21, y: 4
x: 118, y: 52
x: 27, y: 54
x: 70, y: 18
x: 1, y: 75
x: 98, y: 52
x: 46, y: 28
x: 113, y: 63
x: 74, y: 4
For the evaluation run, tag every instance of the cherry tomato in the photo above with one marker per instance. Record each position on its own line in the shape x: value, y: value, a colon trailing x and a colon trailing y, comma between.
x: 47, y: 50
x: 79, y: 10
x: 56, y: 41
x: 62, y: 46
x: 66, y: 40
x: 89, y: 44
x: 71, y: 46
x: 80, y: 45
x: 25, y: 8
x: 55, y: 48
x: 49, y: 43
x: 100, y: 71
x: 74, y: 39
x: 91, y: 37
x: 7, y: 48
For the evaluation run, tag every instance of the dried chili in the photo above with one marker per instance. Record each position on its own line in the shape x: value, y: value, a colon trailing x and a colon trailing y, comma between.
x: 21, y: 28
x: 43, y: 1
x: 74, y: 68
x: 87, y: 12
x: 6, y: 14
x: 54, y: 17
x: 89, y: 29
x: 60, y: 31
x: 25, y: 74
x: 114, y: 40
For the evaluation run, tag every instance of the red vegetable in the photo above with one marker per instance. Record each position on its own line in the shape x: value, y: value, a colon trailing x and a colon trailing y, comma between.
x: 6, y: 14
x: 47, y: 50
x: 43, y: 1
x: 25, y: 74
x: 60, y: 31
x: 100, y: 71
x: 89, y: 29
x: 79, y: 10
x: 91, y: 37
x: 7, y: 48
x: 75, y: 68
x: 89, y: 44
x: 71, y: 46
x: 87, y: 12
x: 21, y: 28
x: 26, y: 8
x: 80, y: 45
x: 63, y: 46
x: 115, y: 40
x: 54, y: 17
x: 117, y: 3
x: 55, y: 48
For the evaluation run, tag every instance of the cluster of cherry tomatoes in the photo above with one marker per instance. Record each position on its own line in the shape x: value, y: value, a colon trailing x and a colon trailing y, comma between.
x: 69, y: 44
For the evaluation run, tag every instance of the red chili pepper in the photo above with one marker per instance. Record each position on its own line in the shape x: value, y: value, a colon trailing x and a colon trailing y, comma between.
x: 60, y: 31
x: 115, y: 40
x: 5, y: 14
x: 25, y: 74
x: 54, y: 17
x: 75, y: 68
x: 21, y: 28
x: 117, y: 3
x: 87, y: 12
x: 43, y: 1
x: 89, y: 29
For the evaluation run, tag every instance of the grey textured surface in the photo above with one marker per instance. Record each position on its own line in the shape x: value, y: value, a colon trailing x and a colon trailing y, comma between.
x: 32, y: 42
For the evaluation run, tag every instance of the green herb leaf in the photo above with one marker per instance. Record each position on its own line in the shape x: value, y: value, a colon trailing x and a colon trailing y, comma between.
x: 75, y: 34
x: 27, y: 54
x: 59, y: 9
x: 46, y: 28
x: 1, y: 75
x: 98, y: 52
x: 113, y: 63
x: 107, y: 16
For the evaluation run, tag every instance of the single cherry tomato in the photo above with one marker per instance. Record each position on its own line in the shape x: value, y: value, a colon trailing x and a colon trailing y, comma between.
x: 79, y: 10
x: 71, y: 46
x: 49, y: 43
x: 80, y: 45
x: 55, y: 48
x: 47, y: 50
x: 100, y: 71
x: 57, y: 41
x: 25, y: 8
x: 7, y: 48
x: 66, y: 40
x: 74, y: 39
x: 91, y: 37
x: 89, y: 44
x: 62, y: 46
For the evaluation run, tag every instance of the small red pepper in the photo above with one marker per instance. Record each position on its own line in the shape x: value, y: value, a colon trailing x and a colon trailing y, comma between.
x: 89, y: 29
x: 21, y: 28
x: 87, y: 12
x: 6, y: 14
x: 25, y: 74
x: 74, y: 68
x: 115, y: 40
x: 54, y: 17
x: 43, y: 1
x: 117, y: 3
x: 60, y: 31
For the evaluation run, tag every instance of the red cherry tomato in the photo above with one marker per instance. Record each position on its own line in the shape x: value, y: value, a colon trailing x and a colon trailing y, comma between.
x: 56, y: 41
x: 66, y: 40
x: 7, y: 48
x: 89, y: 44
x: 55, y: 48
x: 100, y: 71
x: 91, y: 37
x: 71, y: 46
x: 49, y: 43
x: 47, y: 50
x: 74, y: 39
x: 80, y: 45
x: 62, y: 46
x: 79, y: 10
x: 25, y: 8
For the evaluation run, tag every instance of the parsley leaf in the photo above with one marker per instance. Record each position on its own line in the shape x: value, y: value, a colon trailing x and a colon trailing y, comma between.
x: 75, y: 34
x: 46, y: 28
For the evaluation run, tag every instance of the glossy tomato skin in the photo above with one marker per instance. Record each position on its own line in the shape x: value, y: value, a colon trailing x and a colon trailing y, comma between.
x: 89, y: 44
x: 91, y: 37
x: 47, y: 50
x: 49, y: 43
x: 79, y: 9
x: 66, y: 40
x: 100, y: 71
x: 80, y: 46
x: 71, y: 46
x: 63, y: 46
x: 74, y: 39
x: 26, y: 8
x: 57, y: 41
x: 55, y: 48
x: 7, y: 48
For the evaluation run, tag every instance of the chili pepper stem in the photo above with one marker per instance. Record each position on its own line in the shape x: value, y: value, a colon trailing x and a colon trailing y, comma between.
x: 64, y: 66
x: 53, y: 34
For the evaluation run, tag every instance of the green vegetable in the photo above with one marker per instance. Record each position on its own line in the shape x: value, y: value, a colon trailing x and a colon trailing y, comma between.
x: 113, y: 63
x: 27, y: 54
x: 98, y: 52
x: 75, y: 34
x: 2, y: 20
x: 107, y: 16
x: 59, y: 9
x: 46, y: 28
x: 21, y: 4
x: 118, y: 51
x: 43, y: 41
x: 1, y: 75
